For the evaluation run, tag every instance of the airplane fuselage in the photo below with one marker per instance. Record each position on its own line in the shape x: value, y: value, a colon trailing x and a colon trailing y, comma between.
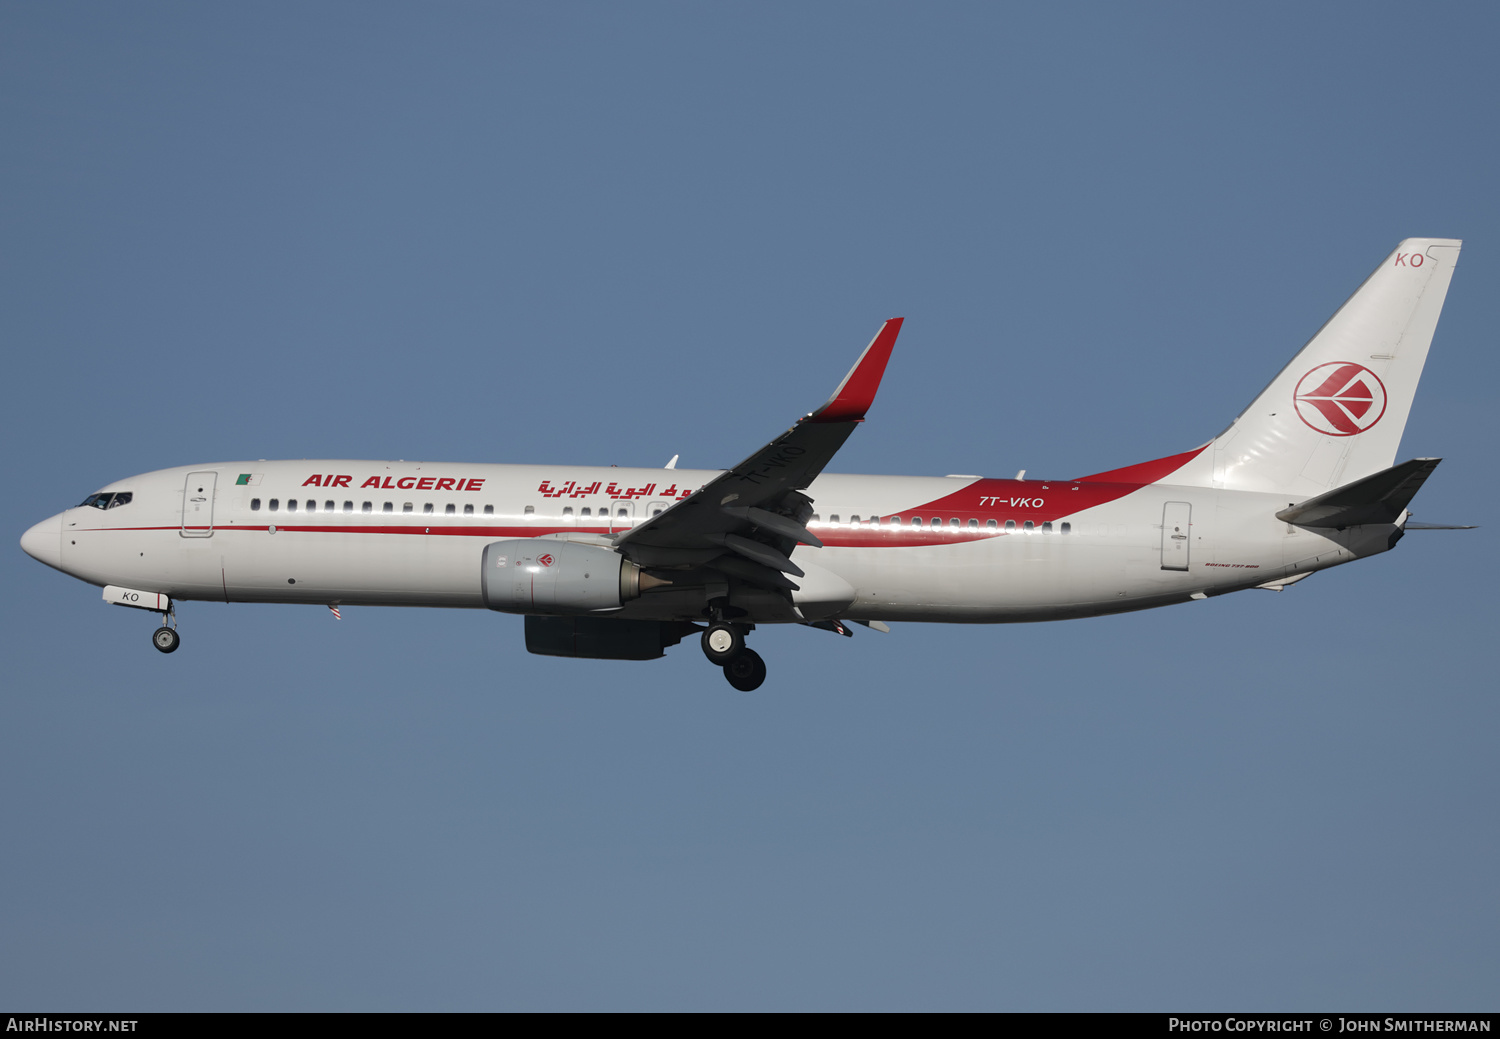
x: 949, y: 549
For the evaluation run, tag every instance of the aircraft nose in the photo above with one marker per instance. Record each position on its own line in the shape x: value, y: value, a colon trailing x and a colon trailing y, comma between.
x: 43, y: 542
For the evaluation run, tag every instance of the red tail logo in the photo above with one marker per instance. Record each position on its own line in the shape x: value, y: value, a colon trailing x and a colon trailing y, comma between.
x: 1340, y: 399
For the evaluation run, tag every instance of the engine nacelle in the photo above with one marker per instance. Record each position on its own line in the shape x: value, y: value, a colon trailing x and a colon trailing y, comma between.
x: 538, y: 575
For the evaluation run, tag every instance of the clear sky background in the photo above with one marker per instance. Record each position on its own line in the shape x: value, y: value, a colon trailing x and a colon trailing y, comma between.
x: 611, y: 233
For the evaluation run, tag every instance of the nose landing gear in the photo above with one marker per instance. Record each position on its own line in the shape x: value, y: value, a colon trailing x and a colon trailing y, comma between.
x: 165, y: 638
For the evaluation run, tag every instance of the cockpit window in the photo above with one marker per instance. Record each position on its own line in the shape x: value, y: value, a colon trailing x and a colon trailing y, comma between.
x: 107, y: 500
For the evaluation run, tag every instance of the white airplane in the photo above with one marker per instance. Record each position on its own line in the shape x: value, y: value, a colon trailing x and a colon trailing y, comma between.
x: 623, y: 563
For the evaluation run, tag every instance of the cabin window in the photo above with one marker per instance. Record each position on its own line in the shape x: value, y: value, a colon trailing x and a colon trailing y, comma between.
x: 450, y: 510
x: 469, y: 510
x: 367, y: 507
x: 657, y: 511
x: 1010, y: 525
x: 427, y: 508
x: 489, y: 510
x: 348, y: 506
x: 585, y: 511
x: 834, y: 518
x: 567, y: 512
x: 254, y: 504
x: 814, y: 518
x: 894, y: 521
x: 853, y: 521
x: 973, y: 524
x: 954, y: 522
x: 291, y: 505
x: 388, y: 507
x: 275, y: 504
x: 328, y: 506
x: 1067, y: 528
x: 312, y: 506
x: 622, y: 511
x: 406, y: 506
x: 1046, y: 526
x: 916, y: 521
x: 1030, y: 527
x: 990, y: 524
x: 530, y: 512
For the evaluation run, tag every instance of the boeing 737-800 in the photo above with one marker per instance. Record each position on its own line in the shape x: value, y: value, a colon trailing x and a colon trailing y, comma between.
x: 624, y: 563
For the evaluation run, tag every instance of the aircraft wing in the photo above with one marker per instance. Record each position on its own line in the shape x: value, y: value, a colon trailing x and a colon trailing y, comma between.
x: 747, y: 520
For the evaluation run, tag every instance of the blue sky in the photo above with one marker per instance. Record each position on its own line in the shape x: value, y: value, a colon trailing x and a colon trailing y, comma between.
x: 603, y: 233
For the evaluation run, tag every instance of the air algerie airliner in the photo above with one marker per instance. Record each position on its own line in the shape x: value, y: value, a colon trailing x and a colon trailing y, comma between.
x: 623, y: 563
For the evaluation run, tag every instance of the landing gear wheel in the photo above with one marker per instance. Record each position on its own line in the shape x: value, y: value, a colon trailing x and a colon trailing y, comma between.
x: 746, y: 671
x: 722, y: 643
x: 165, y: 639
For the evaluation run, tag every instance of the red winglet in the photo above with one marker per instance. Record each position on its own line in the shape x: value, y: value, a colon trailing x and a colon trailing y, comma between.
x: 857, y: 392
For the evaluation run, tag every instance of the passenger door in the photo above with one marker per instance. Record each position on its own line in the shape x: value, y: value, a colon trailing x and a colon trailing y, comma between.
x: 198, y: 505
x: 1176, y: 529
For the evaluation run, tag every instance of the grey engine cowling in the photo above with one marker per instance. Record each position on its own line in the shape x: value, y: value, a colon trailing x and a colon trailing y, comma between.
x: 536, y: 575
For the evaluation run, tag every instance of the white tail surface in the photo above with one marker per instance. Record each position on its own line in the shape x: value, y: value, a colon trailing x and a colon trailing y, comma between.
x: 1336, y: 413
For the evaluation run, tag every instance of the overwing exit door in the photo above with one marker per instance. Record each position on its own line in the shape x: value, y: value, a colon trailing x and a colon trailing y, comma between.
x: 621, y: 514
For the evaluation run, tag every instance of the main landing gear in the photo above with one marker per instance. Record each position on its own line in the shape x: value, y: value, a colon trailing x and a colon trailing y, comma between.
x: 724, y: 646
x: 746, y: 671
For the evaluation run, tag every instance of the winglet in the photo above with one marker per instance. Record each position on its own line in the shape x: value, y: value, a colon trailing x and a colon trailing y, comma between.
x: 857, y: 392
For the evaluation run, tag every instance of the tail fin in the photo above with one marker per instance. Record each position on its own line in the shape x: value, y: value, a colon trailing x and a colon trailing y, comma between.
x: 1336, y: 413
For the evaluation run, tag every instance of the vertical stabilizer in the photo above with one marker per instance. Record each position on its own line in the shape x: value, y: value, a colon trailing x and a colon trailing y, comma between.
x: 1336, y: 413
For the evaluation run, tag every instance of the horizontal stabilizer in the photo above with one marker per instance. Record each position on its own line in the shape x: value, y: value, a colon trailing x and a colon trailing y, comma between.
x: 1380, y: 498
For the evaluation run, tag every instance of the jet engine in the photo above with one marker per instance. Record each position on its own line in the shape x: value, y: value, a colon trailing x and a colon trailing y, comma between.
x: 537, y: 575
